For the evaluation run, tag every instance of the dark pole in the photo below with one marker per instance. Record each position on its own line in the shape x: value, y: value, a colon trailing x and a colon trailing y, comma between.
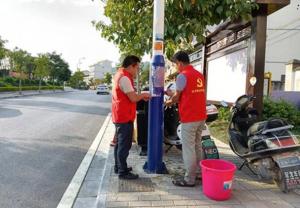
x: 257, y: 55
x: 204, y: 66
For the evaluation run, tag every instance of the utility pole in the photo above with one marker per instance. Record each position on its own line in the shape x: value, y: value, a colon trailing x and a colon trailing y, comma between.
x: 154, y: 162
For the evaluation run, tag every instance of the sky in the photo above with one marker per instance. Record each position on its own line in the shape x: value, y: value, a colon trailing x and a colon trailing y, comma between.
x: 64, y: 26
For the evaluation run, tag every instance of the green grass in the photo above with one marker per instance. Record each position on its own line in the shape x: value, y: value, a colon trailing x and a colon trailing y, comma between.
x: 218, y: 129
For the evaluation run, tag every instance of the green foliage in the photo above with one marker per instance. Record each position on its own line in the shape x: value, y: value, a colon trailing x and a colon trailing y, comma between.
x: 29, y: 65
x: 42, y: 63
x: 130, y: 22
x: 19, y: 59
x: 272, y: 109
x: 59, y: 69
x: 224, y: 114
x: 281, y: 109
x: 107, y: 78
x: 92, y: 83
x: 144, y: 77
x: 76, y: 80
x: 98, y: 81
x: 8, y: 89
x: 3, y: 84
x: 219, y: 130
x: 10, y: 81
x: 3, y: 50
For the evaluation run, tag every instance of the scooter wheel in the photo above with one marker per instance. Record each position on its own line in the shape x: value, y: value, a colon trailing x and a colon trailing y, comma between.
x: 279, y: 180
x: 179, y: 147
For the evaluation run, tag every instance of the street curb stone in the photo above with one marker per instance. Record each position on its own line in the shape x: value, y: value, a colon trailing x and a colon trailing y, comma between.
x: 72, y: 191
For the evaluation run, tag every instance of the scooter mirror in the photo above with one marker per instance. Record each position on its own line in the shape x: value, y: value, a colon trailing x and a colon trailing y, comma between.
x: 253, y: 81
x: 223, y: 103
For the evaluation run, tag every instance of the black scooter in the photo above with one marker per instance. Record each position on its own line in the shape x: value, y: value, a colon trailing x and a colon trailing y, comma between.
x: 268, y: 148
x: 172, y: 128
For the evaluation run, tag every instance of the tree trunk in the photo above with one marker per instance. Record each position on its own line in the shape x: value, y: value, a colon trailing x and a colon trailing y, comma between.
x: 53, y: 85
x: 40, y: 82
x: 20, y: 86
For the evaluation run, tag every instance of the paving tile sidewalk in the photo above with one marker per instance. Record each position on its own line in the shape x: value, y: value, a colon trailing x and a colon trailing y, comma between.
x: 102, y: 188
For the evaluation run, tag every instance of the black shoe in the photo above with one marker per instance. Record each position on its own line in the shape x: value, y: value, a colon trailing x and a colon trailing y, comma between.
x: 129, y: 176
x: 117, y: 170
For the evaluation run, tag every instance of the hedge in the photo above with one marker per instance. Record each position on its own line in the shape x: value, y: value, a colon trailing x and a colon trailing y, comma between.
x: 24, y: 88
x: 11, y: 81
x: 281, y: 109
x: 272, y: 109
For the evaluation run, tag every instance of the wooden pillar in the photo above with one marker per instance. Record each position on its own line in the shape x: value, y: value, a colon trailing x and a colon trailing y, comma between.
x: 204, y: 64
x: 257, y: 55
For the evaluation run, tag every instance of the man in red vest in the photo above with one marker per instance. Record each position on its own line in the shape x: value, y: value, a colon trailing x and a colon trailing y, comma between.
x: 124, y: 100
x: 190, y: 95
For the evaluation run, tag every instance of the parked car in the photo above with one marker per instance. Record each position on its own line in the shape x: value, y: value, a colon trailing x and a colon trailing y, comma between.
x: 102, y: 89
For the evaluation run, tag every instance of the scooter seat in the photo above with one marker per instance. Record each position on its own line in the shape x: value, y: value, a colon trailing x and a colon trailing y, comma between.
x: 256, y: 128
x: 272, y: 123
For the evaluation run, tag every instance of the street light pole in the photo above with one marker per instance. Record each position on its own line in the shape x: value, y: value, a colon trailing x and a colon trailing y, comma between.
x: 154, y: 162
x: 79, y: 62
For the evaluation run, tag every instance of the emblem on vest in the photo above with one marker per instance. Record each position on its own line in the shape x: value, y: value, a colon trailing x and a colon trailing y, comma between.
x: 199, y: 83
x: 199, y: 87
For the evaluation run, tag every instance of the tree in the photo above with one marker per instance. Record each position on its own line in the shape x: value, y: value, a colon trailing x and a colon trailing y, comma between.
x: 29, y: 66
x: 107, y: 78
x: 77, y: 79
x: 19, y: 59
x: 98, y: 81
x: 144, y: 74
x: 41, y: 71
x: 92, y: 83
x: 95, y: 82
x: 3, y: 54
x: 130, y: 25
x: 3, y: 50
x: 59, y: 69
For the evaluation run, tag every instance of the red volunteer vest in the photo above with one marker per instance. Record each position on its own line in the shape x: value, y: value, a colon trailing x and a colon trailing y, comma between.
x: 123, y: 110
x: 192, y: 103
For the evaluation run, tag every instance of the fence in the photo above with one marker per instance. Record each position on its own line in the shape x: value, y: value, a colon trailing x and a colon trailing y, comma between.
x: 289, y: 96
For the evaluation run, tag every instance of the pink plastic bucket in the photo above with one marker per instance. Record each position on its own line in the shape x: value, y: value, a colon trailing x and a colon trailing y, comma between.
x: 217, y: 177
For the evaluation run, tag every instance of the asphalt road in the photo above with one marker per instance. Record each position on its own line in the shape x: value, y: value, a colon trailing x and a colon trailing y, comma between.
x: 43, y: 140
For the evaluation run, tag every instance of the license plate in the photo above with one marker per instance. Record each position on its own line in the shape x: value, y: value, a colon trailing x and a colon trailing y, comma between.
x: 291, y: 177
x: 290, y: 169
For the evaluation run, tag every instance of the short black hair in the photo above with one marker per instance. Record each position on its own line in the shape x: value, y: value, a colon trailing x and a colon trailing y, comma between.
x: 181, y: 56
x: 130, y: 60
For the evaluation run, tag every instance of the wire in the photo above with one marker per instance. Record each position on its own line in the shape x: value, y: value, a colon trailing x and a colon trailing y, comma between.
x: 277, y: 41
x: 294, y: 21
x: 296, y: 27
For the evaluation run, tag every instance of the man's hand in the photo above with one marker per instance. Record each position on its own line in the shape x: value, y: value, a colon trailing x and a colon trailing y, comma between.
x: 168, y: 103
x: 169, y: 92
x: 146, y: 96
x: 173, y: 99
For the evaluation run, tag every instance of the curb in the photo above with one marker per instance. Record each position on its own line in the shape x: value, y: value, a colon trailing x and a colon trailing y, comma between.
x: 71, y: 192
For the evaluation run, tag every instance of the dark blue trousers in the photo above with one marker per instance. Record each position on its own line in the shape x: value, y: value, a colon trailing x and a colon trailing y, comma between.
x: 124, y: 133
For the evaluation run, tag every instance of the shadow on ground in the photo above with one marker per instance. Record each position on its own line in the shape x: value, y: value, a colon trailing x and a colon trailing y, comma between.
x: 9, y: 113
x: 36, y: 174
